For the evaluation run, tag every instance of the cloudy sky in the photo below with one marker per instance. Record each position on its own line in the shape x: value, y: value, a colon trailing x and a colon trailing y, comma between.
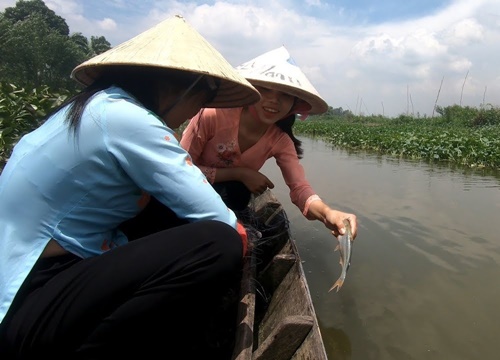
x: 386, y: 57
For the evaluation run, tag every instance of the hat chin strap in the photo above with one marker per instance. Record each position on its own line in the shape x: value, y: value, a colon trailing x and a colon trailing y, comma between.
x: 179, y: 99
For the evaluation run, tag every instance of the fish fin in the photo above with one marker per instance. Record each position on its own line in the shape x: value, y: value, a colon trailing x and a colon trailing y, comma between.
x: 338, y: 284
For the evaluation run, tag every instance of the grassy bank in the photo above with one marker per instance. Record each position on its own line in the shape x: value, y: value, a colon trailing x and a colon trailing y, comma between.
x: 461, y: 135
x: 433, y: 139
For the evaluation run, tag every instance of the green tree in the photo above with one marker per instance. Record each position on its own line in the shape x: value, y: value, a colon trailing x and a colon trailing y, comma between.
x: 4, y: 34
x: 25, y: 9
x: 81, y: 41
x: 36, y: 50
x: 34, y: 54
x: 98, y: 45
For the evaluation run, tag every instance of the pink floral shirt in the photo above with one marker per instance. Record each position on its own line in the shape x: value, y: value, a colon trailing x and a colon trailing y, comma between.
x: 211, y: 138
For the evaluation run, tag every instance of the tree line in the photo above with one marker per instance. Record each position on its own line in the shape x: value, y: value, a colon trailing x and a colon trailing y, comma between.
x: 37, y: 48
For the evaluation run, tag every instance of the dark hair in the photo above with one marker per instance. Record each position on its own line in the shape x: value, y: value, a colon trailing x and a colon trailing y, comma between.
x: 143, y: 83
x: 286, y: 125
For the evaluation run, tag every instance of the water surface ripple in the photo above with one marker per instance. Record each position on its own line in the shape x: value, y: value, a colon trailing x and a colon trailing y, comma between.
x: 423, y: 282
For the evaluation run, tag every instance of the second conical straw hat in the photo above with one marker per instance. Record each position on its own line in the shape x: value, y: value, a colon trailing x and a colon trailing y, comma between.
x: 277, y: 70
x: 174, y: 44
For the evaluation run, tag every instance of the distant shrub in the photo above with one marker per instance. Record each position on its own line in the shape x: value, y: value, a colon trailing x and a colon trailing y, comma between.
x: 488, y: 115
x: 470, y: 116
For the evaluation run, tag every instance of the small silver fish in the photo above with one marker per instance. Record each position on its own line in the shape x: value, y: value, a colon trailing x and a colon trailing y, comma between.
x: 345, y: 248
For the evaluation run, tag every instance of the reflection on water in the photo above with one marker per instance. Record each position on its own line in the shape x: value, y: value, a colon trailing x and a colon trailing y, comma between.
x: 423, y: 281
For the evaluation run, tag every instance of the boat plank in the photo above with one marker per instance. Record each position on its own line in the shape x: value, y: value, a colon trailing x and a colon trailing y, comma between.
x: 285, y: 339
x: 288, y: 300
x: 276, y: 317
x: 276, y: 270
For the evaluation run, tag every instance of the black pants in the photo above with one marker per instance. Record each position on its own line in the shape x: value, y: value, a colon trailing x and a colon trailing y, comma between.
x: 147, y: 299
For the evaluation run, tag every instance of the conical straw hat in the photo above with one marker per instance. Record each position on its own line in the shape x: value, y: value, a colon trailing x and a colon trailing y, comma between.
x: 174, y: 44
x: 278, y: 71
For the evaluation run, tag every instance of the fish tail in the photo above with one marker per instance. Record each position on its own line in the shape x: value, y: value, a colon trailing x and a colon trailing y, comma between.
x: 338, y: 284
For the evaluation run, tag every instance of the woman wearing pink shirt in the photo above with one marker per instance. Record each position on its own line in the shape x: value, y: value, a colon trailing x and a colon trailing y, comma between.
x: 230, y: 145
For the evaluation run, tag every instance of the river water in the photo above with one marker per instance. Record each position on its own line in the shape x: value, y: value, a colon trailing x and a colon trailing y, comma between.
x: 424, y: 281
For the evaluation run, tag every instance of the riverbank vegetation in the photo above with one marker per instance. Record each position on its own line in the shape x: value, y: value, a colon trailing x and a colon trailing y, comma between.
x: 21, y: 111
x: 459, y: 135
x: 37, y: 52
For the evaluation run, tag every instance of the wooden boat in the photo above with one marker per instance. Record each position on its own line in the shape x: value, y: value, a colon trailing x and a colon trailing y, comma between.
x: 276, y: 317
x: 269, y: 314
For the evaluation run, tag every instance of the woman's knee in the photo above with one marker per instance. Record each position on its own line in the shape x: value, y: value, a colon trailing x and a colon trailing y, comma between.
x: 225, y: 240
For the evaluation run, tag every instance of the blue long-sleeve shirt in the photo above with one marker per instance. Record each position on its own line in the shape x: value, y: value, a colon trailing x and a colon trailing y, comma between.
x: 77, y: 189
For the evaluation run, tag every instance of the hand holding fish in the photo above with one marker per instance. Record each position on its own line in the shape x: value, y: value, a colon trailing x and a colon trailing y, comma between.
x: 344, y: 227
x: 333, y: 219
x: 345, y: 248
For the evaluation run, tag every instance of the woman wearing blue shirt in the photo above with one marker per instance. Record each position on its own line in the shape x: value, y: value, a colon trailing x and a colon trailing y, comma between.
x: 72, y: 284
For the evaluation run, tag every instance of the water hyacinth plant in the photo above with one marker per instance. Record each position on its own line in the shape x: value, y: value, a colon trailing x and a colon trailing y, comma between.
x: 461, y: 135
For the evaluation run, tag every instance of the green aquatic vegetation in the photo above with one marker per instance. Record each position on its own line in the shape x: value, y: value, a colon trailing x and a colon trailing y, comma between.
x: 473, y: 146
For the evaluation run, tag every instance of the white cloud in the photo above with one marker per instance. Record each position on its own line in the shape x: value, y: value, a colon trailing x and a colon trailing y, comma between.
x: 380, y: 63
x: 107, y: 24
x: 347, y: 61
x: 464, y: 32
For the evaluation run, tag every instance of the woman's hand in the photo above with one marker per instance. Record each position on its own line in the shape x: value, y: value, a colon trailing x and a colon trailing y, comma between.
x: 333, y: 219
x: 255, y: 181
